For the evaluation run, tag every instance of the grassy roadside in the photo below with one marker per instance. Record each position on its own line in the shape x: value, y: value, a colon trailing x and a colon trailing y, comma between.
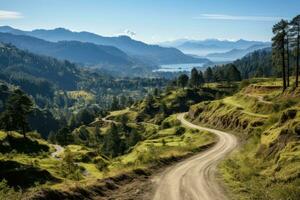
x: 267, y: 166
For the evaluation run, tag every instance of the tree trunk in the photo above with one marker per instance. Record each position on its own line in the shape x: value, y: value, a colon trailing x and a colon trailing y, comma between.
x: 288, y: 62
x: 24, y: 131
x: 297, y: 57
x: 283, y: 66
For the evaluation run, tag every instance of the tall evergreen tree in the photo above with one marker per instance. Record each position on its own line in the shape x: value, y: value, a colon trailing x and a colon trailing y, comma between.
x: 233, y: 74
x: 183, y: 80
x: 17, y: 108
x: 278, y: 46
x: 194, y: 80
x: 64, y: 136
x: 208, y: 75
x: 287, y: 43
x: 112, y: 142
x: 201, y: 78
x: 295, y: 32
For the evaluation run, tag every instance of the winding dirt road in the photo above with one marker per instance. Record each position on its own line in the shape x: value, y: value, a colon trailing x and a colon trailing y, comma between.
x: 58, y: 150
x: 195, y: 178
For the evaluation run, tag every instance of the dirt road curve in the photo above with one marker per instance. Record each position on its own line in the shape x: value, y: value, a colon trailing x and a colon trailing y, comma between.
x: 58, y: 149
x: 195, y: 178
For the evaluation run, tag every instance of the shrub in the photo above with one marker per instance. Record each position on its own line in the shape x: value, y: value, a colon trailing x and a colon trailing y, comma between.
x: 180, y: 130
x: 34, y: 135
x: 289, y: 114
x: 165, y: 125
x: 297, y: 129
x: 69, y: 168
x: 102, y: 165
x: 9, y: 193
x: 244, y: 84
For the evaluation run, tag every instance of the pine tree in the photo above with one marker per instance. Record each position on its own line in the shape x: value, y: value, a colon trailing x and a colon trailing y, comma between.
x: 115, y: 103
x: 233, y: 74
x: 278, y: 46
x: 287, y: 42
x: 194, y: 80
x: 17, y: 108
x: 98, y: 136
x: 133, y: 138
x: 183, y: 80
x: 64, y: 136
x: 201, y: 78
x: 208, y: 75
x: 295, y: 33
x: 112, y: 142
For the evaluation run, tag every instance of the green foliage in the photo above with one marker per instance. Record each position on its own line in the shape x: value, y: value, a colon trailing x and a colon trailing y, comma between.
x: 9, y: 193
x: 256, y: 64
x: 14, y: 142
x: 134, y: 138
x: 196, y: 78
x: 64, y: 136
x: 244, y: 83
x: 102, y: 165
x: 182, y: 80
x: 69, y: 168
x: 148, y: 156
x: 112, y: 142
x: 14, y: 117
x: 208, y: 75
x: 267, y: 165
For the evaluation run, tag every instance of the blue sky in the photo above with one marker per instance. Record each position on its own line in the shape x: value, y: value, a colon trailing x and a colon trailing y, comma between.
x: 153, y: 20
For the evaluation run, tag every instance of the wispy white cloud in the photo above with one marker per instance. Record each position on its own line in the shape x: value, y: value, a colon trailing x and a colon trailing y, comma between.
x: 4, y: 14
x: 238, y: 17
x: 127, y: 32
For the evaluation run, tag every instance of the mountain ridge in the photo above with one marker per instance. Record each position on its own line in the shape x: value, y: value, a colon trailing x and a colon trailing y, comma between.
x: 206, y: 47
x: 136, y: 49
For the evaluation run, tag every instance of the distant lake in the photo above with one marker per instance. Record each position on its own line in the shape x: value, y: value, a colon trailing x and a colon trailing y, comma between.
x: 179, y: 67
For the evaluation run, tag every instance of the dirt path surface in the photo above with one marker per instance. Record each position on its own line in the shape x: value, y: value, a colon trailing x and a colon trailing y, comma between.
x: 260, y: 99
x: 195, y: 178
x: 58, y: 149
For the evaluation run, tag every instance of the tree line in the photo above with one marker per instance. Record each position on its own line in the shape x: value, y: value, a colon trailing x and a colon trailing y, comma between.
x: 224, y: 73
x: 286, y: 46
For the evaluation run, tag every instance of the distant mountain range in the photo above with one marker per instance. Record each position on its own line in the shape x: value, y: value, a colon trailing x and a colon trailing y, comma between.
x: 217, y: 50
x: 235, y: 54
x: 139, y: 52
x: 83, y: 53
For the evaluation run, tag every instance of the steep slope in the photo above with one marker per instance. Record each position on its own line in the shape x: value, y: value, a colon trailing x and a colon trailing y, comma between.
x: 256, y: 64
x: 142, y: 51
x: 18, y: 66
x: 267, y: 121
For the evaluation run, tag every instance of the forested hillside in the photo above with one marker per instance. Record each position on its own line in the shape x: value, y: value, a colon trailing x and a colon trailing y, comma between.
x: 88, y: 54
x: 62, y: 89
x: 137, y: 139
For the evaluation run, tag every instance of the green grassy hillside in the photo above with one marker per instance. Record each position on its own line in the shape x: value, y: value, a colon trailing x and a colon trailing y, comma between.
x: 267, y: 165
